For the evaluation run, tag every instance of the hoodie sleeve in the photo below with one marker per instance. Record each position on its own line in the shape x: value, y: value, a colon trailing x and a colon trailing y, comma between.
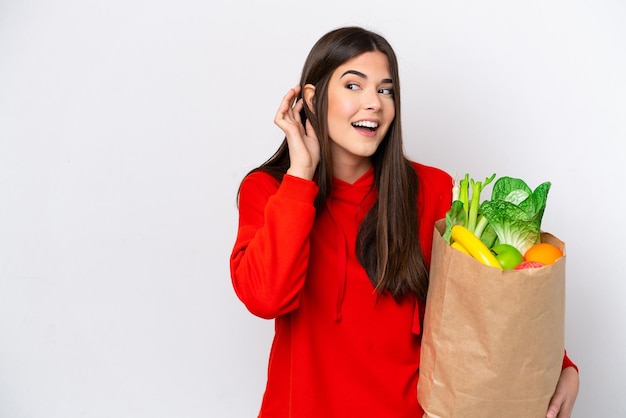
x: 269, y: 260
x: 567, y: 362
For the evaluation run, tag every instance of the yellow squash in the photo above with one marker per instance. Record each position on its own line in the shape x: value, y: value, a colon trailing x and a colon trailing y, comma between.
x: 474, y: 246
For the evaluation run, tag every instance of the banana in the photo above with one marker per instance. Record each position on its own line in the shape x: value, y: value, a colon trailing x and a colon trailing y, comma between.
x: 474, y: 246
x: 459, y: 247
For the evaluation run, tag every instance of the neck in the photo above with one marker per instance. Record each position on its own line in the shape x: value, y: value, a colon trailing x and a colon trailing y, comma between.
x: 350, y: 173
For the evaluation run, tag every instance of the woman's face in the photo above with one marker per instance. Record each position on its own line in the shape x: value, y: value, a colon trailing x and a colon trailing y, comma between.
x: 360, y: 108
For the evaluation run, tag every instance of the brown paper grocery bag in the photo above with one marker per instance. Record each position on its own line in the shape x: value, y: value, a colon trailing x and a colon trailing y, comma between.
x: 493, y: 340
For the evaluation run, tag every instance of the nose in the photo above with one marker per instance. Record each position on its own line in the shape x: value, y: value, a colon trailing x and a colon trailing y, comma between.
x: 371, y: 100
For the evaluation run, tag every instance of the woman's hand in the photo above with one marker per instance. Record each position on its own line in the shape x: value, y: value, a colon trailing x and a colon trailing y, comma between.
x: 304, y: 148
x: 562, y: 402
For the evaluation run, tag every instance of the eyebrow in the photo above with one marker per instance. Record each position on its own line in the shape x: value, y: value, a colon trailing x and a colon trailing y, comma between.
x: 360, y: 74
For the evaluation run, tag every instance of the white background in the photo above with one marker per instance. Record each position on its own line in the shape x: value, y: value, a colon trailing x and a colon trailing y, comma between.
x: 126, y: 126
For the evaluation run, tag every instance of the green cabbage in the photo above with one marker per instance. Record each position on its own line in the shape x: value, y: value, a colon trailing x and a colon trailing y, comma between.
x: 512, y: 216
x: 514, y: 212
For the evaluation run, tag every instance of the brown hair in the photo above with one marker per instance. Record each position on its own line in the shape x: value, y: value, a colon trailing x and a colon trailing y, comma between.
x: 387, y: 242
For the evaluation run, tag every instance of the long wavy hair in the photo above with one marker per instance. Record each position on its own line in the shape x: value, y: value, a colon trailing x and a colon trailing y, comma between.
x: 387, y: 243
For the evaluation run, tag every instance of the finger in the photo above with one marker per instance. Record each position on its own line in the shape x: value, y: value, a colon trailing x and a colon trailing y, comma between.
x: 297, y: 106
x: 296, y: 93
x: 290, y: 122
x: 285, y: 103
x: 291, y: 98
x: 555, y: 406
x: 287, y: 106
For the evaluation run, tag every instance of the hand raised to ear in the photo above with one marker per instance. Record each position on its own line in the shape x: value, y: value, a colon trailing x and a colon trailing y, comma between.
x: 304, y: 148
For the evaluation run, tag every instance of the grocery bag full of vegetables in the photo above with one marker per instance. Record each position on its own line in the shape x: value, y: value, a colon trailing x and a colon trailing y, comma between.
x: 493, y: 336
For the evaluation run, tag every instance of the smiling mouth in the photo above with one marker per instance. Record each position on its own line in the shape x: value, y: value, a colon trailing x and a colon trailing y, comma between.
x: 372, y: 126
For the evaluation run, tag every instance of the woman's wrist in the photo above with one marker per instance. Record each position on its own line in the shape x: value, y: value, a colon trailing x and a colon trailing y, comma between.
x: 303, y: 173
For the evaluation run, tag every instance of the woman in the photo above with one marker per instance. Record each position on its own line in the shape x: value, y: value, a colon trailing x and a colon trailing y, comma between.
x: 334, y: 241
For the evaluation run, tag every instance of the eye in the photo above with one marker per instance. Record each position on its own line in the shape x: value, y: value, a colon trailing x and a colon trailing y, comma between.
x: 387, y: 92
x: 352, y: 86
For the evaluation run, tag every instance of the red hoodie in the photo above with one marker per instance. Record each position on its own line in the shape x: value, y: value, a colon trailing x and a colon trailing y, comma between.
x: 340, y: 348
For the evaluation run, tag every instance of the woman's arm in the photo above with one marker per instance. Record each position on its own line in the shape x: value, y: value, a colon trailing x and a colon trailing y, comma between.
x: 270, y: 256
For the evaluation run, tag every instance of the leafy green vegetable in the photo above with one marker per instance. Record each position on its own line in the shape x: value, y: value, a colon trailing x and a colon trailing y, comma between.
x: 512, y: 216
x: 477, y: 188
x: 456, y: 215
x: 464, y: 195
x: 515, y: 212
x: 464, y: 210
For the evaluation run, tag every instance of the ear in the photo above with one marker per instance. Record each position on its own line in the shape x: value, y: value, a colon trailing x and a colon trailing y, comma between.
x: 308, y: 95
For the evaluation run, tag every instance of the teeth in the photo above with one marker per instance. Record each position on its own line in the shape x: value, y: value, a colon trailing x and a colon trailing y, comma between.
x: 366, y: 124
